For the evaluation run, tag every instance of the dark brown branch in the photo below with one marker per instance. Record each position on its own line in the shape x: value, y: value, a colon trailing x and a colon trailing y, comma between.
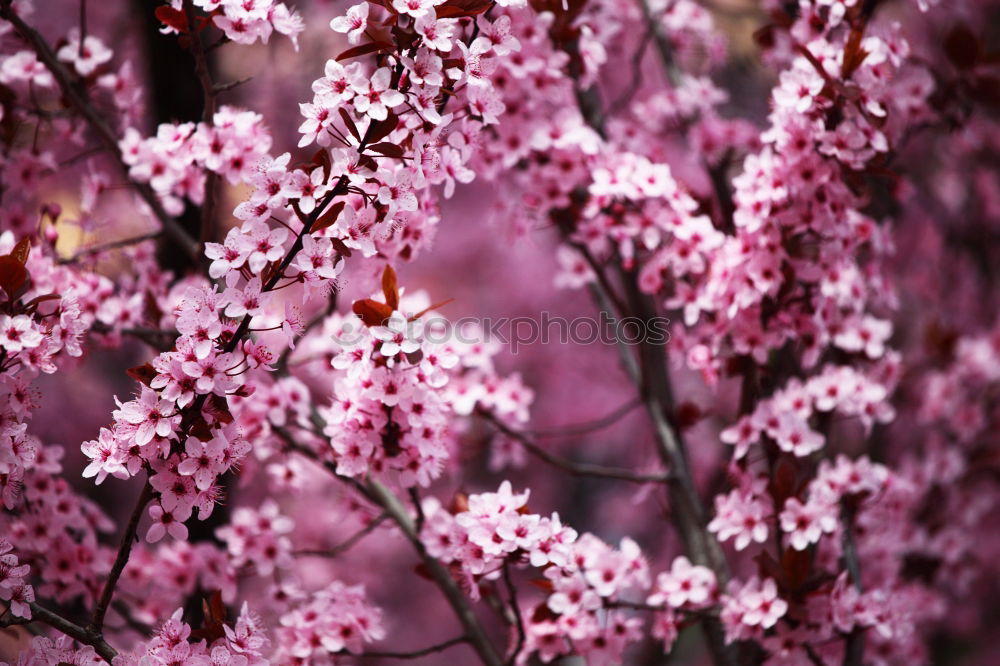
x: 61, y: 624
x: 209, y: 94
x: 124, y: 550
x: 516, y: 610
x: 854, y: 645
x: 78, y: 99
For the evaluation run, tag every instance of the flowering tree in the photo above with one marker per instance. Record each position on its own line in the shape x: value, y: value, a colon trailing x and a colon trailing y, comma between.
x: 315, y: 460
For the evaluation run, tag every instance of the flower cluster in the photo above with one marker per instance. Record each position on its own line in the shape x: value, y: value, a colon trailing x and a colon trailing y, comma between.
x: 242, y: 21
x: 335, y: 620
x: 174, y: 162
x: 13, y: 589
x: 241, y: 644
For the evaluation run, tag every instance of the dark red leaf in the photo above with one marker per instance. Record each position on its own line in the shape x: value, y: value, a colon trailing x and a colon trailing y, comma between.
x: 382, y: 128
x: 21, y: 251
x: 372, y: 312
x: 142, y: 373
x: 220, y: 409
x: 322, y: 158
x: 390, y: 287
x: 364, y: 49
x: 329, y: 218
x: 13, y: 275
x: 459, y: 8
x: 387, y: 149
x: 349, y: 122
x: 173, y: 18
x: 339, y: 246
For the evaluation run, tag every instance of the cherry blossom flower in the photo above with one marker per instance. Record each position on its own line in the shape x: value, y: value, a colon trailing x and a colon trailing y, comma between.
x: 353, y: 22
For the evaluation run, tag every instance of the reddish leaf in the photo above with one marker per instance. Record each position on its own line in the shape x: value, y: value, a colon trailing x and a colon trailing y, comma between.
x: 372, y: 312
x: 364, y: 49
x: 782, y: 484
x: 329, y: 218
x: 543, y: 584
x: 459, y: 8
x: 387, y: 149
x: 349, y: 122
x: 769, y: 567
x: 339, y: 246
x: 214, y: 618
x: 220, y: 409
x: 390, y: 287
x: 381, y: 129
x: 172, y: 18
x: 200, y: 430
x: 21, y: 251
x: 796, y: 565
x: 142, y: 373
x: 459, y: 503
x: 151, y: 309
x: 962, y: 47
x: 322, y: 158
x: 13, y: 275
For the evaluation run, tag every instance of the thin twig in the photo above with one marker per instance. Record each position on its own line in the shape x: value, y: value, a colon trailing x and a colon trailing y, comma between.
x: 574, y: 468
x: 587, y: 426
x: 349, y: 543
x: 112, y: 245
x: 413, y: 654
x: 854, y: 645
x: 83, y: 28
x: 516, y: 610
x: 229, y: 85
x: 124, y: 550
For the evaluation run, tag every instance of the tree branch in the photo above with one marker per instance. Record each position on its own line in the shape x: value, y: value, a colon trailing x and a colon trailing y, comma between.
x: 61, y: 624
x: 124, y: 550
x: 209, y: 94
x: 854, y: 645
x: 439, y: 573
x: 516, y: 610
